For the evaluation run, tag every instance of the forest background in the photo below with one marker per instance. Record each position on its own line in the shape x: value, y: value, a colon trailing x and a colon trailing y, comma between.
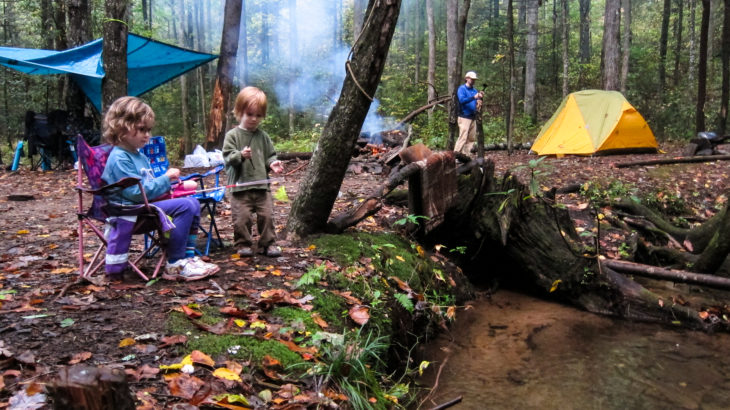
x: 652, y: 51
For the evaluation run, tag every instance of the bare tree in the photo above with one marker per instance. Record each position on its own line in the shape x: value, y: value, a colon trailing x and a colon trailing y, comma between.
x: 293, y: 57
x: 585, y: 37
x: 566, y: 58
x: 224, y: 75
x: 531, y: 60
x: 610, y: 59
x: 456, y: 14
x: 702, y: 69
x: 320, y: 185
x: 78, y: 33
x: 725, y: 67
x: 114, y: 52
x: 186, y: 143
x: 512, y: 76
x: 678, y: 30
x: 663, y: 38
x: 625, y: 44
x: 431, y: 74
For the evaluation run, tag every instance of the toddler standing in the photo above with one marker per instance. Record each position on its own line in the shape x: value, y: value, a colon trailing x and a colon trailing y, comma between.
x: 248, y: 154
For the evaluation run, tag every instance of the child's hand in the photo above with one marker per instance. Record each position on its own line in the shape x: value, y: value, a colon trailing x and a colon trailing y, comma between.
x: 246, y: 152
x: 173, y: 174
x: 277, y: 167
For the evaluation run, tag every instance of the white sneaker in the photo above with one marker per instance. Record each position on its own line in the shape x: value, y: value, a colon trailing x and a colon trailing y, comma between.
x: 189, y: 269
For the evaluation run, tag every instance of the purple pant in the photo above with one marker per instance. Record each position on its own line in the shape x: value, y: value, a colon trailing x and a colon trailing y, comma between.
x: 185, y: 214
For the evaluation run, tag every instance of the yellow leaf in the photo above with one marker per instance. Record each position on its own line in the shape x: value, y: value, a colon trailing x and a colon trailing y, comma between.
x: 23, y: 232
x: 177, y: 366
x: 52, y: 246
x: 555, y: 285
x: 235, y: 256
x: 421, y: 367
x: 258, y: 325
x: 601, y: 216
x: 280, y: 194
x: 226, y: 374
x: 63, y: 270
x: 240, y: 322
x: 400, y: 258
x: 312, y: 247
x: 127, y: 342
x: 420, y: 251
x: 44, y: 236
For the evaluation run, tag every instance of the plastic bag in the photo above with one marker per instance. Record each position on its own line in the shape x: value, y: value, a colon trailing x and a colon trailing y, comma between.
x: 199, y: 158
x: 215, y: 158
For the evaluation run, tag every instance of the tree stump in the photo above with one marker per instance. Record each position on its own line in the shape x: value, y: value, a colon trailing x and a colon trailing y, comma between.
x: 82, y: 387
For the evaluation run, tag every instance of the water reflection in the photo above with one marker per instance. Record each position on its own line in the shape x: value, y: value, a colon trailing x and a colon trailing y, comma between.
x: 518, y: 352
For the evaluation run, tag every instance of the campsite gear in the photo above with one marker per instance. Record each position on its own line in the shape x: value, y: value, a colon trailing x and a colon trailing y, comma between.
x: 150, y: 64
x: 705, y: 144
x: 16, y: 159
x: 594, y: 122
x: 156, y: 151
x: 112, y: 224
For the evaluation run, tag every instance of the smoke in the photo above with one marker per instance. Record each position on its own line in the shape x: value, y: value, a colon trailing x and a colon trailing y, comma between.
x: 317, y: 70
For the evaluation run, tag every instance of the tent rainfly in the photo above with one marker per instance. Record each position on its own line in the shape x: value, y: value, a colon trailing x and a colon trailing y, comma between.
x: 592, y: 122
x: 150, y: 63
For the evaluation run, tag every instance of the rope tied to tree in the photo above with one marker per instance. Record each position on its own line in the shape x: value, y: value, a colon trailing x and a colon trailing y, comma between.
x: 348, y: 63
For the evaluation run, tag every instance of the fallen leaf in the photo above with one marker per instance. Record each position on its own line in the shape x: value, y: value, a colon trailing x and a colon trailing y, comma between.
x: 359, y: 314
x: 226, y: 374
x: 319, y: 321
x: 127, y: 342
x: 80, y: 357
x: 201, y: 358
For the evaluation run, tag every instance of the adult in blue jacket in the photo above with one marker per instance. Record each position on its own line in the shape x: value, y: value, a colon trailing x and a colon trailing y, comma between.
x: 468, y: 97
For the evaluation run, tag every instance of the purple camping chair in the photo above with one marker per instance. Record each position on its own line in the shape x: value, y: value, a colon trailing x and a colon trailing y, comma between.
x: 114, y: 224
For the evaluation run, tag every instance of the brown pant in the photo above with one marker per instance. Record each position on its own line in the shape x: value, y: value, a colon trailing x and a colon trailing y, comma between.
x: 467, y: 135
x: 243, y: 205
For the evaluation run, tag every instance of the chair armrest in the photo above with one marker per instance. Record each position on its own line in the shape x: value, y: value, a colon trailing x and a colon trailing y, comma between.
x: 121, y: 184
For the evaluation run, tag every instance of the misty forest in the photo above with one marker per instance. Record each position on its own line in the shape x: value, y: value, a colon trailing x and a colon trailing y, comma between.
x: 388, y: 236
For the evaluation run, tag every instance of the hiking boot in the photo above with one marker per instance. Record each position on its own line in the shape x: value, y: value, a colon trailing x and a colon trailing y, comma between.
x: 245, y: 251
x: 272, y: 251
x: 189, y: 269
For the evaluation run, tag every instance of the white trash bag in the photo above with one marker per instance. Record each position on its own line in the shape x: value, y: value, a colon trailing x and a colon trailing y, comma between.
x: 199, y: 158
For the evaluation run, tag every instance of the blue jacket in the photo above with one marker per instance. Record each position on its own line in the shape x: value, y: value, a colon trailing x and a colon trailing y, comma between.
x: 467, y: 101
x: 121, y: 164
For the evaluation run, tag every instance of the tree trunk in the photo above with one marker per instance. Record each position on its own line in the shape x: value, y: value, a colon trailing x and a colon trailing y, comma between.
x: 663, y: 38
x: 610, y: 61
x: 224, y: 76
x: 82, y: 387
x: 431, y: 75
x: 293, y: 57
x: 678, y: 45
x: 456, y: 14
x: 585, y: 37
x: 186, y: 143
x: 531, y: 61
x: 114, y: 52
x: 358, y: 12
x: 725, y: 68
x: 566, y: 58
x: 692, y: 42
x: 320, y: 185
x: 702, y: 69
x: 79, y: 33
x: 512, y: 78
x: 626, y: 45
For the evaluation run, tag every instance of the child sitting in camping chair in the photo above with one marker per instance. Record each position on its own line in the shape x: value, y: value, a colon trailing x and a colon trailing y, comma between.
x: 127, y: 126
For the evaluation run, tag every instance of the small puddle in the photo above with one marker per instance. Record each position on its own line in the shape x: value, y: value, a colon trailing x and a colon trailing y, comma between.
x: 518, y: 352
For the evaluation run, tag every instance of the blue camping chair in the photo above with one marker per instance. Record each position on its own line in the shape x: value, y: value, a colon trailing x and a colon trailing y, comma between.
x: 156, y: 151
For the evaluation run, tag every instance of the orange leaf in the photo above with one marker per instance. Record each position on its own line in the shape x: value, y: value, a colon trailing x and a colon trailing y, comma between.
x: 80, y: 357
x: 318, y: 320
x: 201, y: 358
x: 191, y: 313
x: 127, y: 342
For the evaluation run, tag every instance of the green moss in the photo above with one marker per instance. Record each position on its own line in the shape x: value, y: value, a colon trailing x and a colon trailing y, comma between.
x: 290, y: 316
x: 248, y: 348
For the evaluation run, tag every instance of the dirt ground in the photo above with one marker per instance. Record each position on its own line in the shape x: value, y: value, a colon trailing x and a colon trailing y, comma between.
x: 41, y: 331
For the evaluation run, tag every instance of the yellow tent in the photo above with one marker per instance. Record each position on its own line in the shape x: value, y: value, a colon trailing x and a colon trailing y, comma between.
x: 594, y: 122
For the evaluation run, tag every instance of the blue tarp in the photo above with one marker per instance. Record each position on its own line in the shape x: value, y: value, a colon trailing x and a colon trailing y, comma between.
x: 150, y: 63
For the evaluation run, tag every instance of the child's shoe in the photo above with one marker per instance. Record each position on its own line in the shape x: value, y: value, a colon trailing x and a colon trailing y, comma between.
x: 273, y: 251
x: 245, y: 252
x: 189, y: 269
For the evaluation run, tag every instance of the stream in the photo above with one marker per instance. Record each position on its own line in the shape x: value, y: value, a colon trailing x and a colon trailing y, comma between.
x: 512, y: 351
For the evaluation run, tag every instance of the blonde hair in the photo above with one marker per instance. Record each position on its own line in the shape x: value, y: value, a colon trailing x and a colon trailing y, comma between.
x: 123, y: 115
x: 249, y: 97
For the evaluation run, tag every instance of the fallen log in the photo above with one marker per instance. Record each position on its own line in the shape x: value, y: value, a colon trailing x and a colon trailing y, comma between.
x: 419, y: 110
x: 673, y: 275
x: 676, y: 160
